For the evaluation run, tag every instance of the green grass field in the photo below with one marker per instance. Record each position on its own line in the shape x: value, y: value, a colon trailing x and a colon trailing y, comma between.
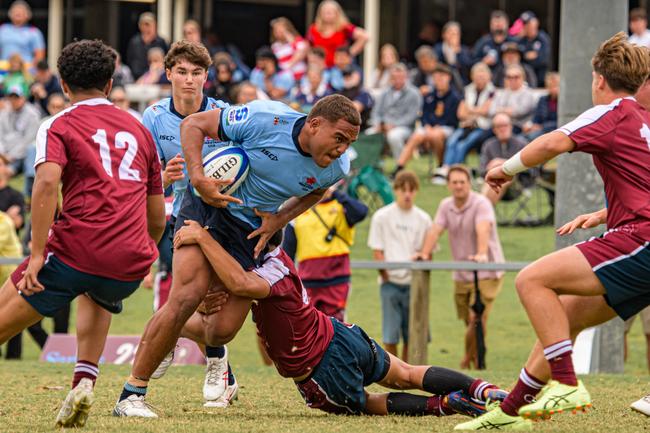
x: 269, y: 403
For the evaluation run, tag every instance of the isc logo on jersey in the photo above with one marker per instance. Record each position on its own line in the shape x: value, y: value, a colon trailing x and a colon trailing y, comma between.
x: 229, y: 162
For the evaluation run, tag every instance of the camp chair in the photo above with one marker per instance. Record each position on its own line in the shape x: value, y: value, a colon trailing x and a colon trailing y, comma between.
x: 366, y: 181
x: 523, y: 203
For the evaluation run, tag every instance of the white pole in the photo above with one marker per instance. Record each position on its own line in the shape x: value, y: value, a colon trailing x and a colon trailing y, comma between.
x: 180, y: 15
x: 54, y: 32
x: 371, y: 24
x: 165, y: 19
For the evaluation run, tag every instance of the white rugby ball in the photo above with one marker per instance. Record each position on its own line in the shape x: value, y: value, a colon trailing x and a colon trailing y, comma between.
x: 229, y: 162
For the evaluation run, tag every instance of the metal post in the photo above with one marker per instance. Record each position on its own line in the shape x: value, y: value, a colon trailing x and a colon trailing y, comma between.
x: 419, y: 318
x: 165, y: 19
x: 579, y: 187
x: 54, y: 32
x: 180, y: 15
x: 371, y: 24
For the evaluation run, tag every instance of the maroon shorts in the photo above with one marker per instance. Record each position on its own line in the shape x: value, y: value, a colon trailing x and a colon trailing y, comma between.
x: 620, y: 258
x: 330, y: 300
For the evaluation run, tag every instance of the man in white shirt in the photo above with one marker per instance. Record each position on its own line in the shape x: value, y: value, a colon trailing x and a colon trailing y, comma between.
x: 640, y: 35
x: 397, y: 234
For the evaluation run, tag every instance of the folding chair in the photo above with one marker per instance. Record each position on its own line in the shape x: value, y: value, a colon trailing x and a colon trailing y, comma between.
x: 366, y: 181
x: 522, y: 204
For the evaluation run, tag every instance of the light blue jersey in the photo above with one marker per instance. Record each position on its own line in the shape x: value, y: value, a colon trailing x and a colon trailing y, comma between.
x: 164, y: 123
x: 268, y: 132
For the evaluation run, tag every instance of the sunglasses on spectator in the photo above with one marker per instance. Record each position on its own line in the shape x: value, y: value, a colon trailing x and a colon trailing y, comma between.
x: 513, y: 77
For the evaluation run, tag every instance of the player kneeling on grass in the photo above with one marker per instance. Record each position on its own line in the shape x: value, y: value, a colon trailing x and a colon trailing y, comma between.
x: 330, y: 361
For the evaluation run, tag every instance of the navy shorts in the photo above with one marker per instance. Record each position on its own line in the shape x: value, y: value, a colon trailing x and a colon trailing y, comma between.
x: 63, y: 284
x: 351, y: 362
x: 224, y: 227
x: 620, y: 259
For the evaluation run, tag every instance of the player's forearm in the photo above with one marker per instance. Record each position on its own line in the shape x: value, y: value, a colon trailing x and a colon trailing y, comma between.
x: 192, y: 137
x: 297, y: 205
x: 44, y: 201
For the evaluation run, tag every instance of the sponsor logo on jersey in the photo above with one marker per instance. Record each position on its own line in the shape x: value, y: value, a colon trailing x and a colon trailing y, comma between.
x: 166, y: 137
x: 272, y: 156
x: 308, y: 183
x: 278, y: 121
x: 237, y: 115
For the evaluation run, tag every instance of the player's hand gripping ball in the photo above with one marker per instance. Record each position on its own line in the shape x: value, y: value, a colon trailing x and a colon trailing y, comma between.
x: 226, y: 163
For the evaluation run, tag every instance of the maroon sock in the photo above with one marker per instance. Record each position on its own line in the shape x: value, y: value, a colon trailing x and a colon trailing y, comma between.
x: 523, y: 393
x: 437, y: 406
x: 558, y: 356
x: 478, y: 387
x: 84, y: 369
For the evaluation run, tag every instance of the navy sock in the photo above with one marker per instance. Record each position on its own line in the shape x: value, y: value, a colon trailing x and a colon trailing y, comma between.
x: 231, y: 377
x: 215, y: 351
x: 132, y: 390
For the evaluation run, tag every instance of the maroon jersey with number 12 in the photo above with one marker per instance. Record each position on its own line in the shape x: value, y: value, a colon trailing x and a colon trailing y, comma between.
x: 110, y: 166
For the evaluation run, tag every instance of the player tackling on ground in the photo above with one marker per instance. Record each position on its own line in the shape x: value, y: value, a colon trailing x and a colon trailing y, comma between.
x: 104, y: 240
x: 600, y: 278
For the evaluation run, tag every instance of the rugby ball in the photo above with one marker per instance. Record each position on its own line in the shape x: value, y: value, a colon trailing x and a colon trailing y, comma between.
x: 229, y: 162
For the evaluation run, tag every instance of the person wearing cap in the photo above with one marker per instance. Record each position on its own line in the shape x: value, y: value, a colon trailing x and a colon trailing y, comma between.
x: 511, y: 55
x: 19, y: 123
x: 488, y: 48
x: 18, y: 37
x: 535, y: 44
x: 266, y: 75
x: 141, y: 43
x: 640, y: 35
x: 45, y: 84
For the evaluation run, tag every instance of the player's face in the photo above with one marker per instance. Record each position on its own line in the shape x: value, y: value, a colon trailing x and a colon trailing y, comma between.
x: 330, y: 140
x: 459, y: 185
x: 643, y: 95
x: 187, y: 79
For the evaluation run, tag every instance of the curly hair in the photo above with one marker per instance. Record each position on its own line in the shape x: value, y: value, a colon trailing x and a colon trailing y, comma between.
x: 86, y: 64
x: 624, y: 66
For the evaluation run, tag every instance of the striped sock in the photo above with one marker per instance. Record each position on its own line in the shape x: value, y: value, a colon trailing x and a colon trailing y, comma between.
x: 478, y: 387
x: 83, y: 369
x: 558, y: 356
x: 523, y: 393
x: 132, y: 390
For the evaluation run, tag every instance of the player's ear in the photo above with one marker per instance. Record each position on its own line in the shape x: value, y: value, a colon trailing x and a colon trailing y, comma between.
x: 108, y: 87
x: 168, y: 74
x: 315, y: 123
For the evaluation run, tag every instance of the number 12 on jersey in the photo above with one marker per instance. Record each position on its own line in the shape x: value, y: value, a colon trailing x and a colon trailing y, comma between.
x: 123, y: 139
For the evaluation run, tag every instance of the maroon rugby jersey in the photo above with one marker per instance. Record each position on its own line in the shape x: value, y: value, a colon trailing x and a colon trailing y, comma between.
x: 296, y: 335
x: 110, y: 166
x: 618, y: 137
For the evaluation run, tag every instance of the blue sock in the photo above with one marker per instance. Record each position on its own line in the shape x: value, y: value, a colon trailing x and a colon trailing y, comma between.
x: 132, y: 390
x: 215, y: 351
x: 231, y: 377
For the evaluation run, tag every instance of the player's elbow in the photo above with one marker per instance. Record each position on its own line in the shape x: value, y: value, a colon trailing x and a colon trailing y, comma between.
x: 555, y: 143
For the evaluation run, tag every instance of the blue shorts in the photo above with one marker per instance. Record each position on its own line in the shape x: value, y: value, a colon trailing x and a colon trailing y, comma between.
x: 351, y: 362
x: 225, y: 228
x: 63, y: 284
x: 395, y: 300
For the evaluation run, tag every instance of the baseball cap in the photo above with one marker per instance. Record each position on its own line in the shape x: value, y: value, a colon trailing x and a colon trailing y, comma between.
x: 15, y: 90
x: 527, y: 16
x: 147, y: 17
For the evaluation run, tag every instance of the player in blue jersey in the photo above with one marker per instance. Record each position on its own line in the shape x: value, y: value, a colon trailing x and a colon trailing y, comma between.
x: 294, y: 159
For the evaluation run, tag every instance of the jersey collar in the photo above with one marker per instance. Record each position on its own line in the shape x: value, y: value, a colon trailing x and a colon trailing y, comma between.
x: 204, y: 103
x: 94, y: 101
x: 297, y: 127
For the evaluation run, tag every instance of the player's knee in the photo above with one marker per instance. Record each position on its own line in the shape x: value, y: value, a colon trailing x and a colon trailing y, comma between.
x: 217, y: 337
x: 523, y: 283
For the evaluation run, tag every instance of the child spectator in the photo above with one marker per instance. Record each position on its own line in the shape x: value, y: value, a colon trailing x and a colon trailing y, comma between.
x: 266, y: 76
x: 397, y: 234
x: 289, y: 47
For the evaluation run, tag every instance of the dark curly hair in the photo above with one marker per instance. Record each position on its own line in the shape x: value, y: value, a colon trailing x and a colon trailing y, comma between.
x: 86, y: 64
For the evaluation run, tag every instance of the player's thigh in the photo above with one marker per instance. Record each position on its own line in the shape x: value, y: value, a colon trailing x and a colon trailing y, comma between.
x: 16, y: 314
x: 566, y: 271
x: 586, y: 311
x: 192, y: 274
x: 226, y: 323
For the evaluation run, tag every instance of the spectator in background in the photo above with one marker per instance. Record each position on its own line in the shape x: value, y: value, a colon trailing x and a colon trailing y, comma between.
x: 475, y: 125
x: 19, y: 123
x: 332, y: 76
x: 353, y: 89
x: 45, y: 84
x: 351, y: 74
x: 121, y: 100
x: 469, y: 219
x: 238, y: 74
x: 535, y: 45
x: 12, y: 202
x: 245, y: 92
x: 137, y: 52
x: 510, y: 55
x: 516, y: 99
x: 317, y: 89
x: 266, y: 76
x: 222, y: 85
x: 156, y: 72
x: 396, y: 110
x: 216, y: 47
x: 380, y: 78
x: 645, y: 323
x: 18, y: 37
x: 545, y: 117
x: 397, y: 233
x: 452, y: 52
x: 497, y: 150
x: 429, y: 35
x: 488, y: 48
x: 122, y: 75
x: 421, y: 76
x: 17, y: 75
x: 289, y: 47
x: 439, y: 120
x: 319, y: 241
x: 640, y: 35
x: 332, y: 29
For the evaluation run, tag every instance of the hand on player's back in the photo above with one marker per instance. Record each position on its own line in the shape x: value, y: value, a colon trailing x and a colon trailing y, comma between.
x: 210, y: 188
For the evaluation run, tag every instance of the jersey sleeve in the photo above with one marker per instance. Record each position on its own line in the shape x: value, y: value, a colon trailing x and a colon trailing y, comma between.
x: 239, y: 123
x: 591, y: 131
x: 50, y: 143
x: 154, y: 179
x: 274, y: 272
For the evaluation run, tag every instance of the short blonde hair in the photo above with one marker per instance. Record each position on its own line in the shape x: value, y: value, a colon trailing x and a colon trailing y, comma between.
x: 624, y: 66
